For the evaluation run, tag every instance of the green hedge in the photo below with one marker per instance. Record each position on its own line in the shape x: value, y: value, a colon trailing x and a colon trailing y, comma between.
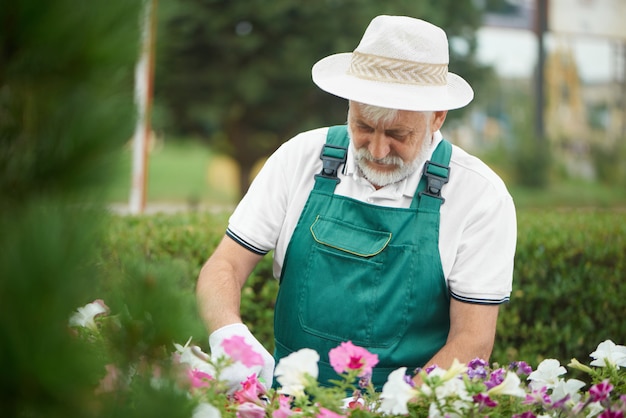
x: 569, y: 291
x: 568, y: 295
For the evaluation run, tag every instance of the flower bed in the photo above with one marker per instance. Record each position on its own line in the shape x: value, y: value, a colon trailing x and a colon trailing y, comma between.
x: 463, y: 390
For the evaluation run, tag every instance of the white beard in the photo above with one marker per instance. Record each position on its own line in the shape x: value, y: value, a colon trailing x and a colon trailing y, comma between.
x: 403, y: 170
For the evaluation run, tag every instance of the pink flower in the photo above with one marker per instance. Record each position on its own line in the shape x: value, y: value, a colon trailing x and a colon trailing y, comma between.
x: 327, y: 413
x: 239, y: 350
x: 198, y: 378
x: 251, y: 390
x: 526, y: 414
x: 284, y: 408
x: 348, y: 356
x: 110, y: 381
x: 538, y: 396
x: 600, y: 391
x: 250, y: 410
x: 484, y: 400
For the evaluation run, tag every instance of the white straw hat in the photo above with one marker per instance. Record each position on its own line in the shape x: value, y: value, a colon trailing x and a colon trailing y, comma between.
x: 400, y: 63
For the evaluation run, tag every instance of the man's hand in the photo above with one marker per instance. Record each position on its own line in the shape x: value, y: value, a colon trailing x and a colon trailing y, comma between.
x: 237, y: 373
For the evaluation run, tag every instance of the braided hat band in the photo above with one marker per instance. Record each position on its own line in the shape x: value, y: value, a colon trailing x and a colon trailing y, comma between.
x: 373, y: 67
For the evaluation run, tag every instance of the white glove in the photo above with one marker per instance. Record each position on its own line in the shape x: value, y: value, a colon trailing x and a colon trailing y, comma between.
x: 237, y: 373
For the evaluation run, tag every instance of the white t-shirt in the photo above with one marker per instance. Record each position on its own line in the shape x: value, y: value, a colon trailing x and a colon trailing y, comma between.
x: 478, y: 228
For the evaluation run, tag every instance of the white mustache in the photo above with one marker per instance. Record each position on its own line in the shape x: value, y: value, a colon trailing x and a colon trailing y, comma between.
x: 364, y: 154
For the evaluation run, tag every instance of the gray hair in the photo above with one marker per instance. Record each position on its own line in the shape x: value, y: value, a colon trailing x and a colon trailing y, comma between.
x: 382, y: 114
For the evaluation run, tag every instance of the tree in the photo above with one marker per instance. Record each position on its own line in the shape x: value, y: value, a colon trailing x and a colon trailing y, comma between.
x: 238, y: 73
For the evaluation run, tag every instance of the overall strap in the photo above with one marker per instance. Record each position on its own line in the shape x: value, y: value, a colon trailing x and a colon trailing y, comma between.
x: 435, y: 175
x: 333, y: 155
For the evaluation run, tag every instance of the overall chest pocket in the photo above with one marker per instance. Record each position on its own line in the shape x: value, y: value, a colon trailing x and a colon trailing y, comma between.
x: 346, y: 293
x: 349, y: 238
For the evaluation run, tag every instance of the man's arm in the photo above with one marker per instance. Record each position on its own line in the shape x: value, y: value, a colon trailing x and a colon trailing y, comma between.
x: 219, y: 285
x: 219, y: 298
x: 472, y: 334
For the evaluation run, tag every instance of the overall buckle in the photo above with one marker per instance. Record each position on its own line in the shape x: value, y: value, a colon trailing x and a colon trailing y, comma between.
x: 332, y: 156
x: 436, y: 176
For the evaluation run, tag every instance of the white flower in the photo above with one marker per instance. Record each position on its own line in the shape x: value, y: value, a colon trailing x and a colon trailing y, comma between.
x: 547, y: 374
x: 456, y: 368
x: 450, y: 384
x: 594, y: 409
x: 85, y: 316
x: 195, y: 358
x: 396, y: 393
x: 206, y: 410
x: 509, y: 386
x: 608, y: 353
x: 292, y: 371
x: 449, y: 390
x: 569, y: 387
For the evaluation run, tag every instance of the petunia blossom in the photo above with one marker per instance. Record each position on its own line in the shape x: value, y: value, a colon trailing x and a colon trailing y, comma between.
x: 292, y: 371
x: 538, y: 396
x: 284, y: 407
x: 575, y: 364
x: 85, y: 316
x: 348, y: 356
x: 455, y: 369
x: 566, y: 391
x: 251, y: 390
x: 250, y: 410
x: 397, y: 392
x: 198, y: 378
x: 600, y: 391
x: 547, y: 374
x: 477, y: 369
x: 521, y: 367
x: 484, y: 400
x: 496, y: 377
x: 239, y: 350
x: 509, y: 386
x: 608, y: 353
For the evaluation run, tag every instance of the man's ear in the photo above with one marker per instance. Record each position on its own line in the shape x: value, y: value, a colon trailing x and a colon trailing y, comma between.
x: 439, y: 116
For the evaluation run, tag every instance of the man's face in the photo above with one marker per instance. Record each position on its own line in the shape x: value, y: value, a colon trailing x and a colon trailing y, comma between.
x: 387, y: 151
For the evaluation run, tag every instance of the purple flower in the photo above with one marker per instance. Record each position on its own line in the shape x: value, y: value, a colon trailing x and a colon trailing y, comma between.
x: 561, y: 402
x: 476, y: 369
x: 526, y: 414
x: 483, y: 400
x: 521, y: 367
x: 611, y: 414
x: 600, y: 391
x: 539, y: 396
x: 496, y: 377
x: 430, y: 368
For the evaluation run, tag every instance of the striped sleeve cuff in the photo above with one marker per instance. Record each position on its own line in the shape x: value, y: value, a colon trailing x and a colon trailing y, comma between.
x: 245, y: 244
x: 465, y: 299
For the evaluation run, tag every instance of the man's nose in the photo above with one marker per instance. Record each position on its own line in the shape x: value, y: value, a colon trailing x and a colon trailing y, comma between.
x: 379, y: 146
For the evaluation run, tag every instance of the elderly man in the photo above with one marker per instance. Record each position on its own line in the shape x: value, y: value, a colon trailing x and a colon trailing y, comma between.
x: 384, y: 234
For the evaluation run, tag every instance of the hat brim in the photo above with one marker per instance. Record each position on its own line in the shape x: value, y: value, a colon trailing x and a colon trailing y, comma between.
x: 331, y: 75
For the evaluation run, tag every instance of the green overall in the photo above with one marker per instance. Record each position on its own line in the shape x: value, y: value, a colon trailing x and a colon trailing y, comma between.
x: 367, y: 274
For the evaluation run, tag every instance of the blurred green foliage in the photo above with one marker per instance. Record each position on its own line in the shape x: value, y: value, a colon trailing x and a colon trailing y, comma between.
x: 185, y: 240
x: 567, y: 295
x: 238, y: 74
x: 66, y: 106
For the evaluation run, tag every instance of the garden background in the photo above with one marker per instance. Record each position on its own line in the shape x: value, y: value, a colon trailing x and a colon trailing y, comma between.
x: 66, y: 116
